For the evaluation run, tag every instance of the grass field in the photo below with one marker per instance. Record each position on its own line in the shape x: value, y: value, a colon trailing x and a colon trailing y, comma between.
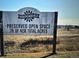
x: 67, y: 45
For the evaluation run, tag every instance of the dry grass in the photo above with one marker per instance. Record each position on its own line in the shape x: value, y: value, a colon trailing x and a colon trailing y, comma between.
x: 67, y: 45
x: 69, y: 40
x: 66, y: 54
x: 25, y: 55
x: 27, y: 44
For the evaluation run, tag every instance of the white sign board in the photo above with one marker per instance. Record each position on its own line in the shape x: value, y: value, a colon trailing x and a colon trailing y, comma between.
x: 28, y: 21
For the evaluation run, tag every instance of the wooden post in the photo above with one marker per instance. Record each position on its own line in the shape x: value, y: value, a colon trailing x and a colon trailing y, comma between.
x: 55, y: 33
x: 1, y: 35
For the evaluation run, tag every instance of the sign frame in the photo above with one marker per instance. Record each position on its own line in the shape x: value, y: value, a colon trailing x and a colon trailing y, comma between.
x: 1, y: 35
x: 55, y: 33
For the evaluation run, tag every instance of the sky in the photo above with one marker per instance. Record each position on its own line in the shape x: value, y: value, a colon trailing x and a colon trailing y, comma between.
x: 68, y: 10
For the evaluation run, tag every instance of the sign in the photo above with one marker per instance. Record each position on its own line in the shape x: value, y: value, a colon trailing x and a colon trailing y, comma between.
x: 28, y: 21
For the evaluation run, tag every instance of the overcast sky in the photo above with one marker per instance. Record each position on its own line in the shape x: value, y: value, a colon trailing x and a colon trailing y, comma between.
x: 68, y: 10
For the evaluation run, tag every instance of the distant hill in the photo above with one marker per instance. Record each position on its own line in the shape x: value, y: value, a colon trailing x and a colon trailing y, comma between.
x: 71, y: 26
